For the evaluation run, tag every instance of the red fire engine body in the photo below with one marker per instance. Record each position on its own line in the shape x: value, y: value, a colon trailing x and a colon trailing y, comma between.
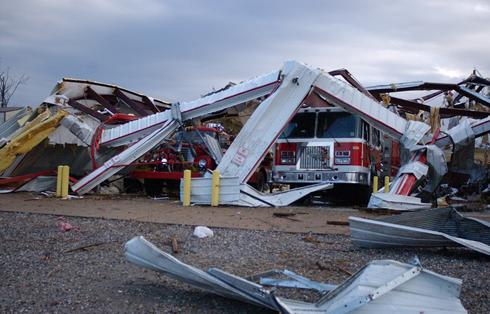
x: 166, y: 163
x: 331, y: 145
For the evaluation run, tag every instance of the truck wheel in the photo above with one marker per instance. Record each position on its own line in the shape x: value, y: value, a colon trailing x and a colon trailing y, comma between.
x: 153, y: 187
x: 364, y: 195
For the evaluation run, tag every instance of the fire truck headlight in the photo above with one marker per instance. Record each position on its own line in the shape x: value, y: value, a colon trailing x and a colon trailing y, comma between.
x: 202, y: 163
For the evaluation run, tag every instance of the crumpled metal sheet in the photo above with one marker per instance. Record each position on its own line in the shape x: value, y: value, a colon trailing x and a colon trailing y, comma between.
x: 462, y: 134
x: 414, y: 132
x: 144, y: 254
x: 438, y: 167
x: 396, y: 202
x: 437, y: 227
x: 416, y: 168
x: 15, y: 122
x: 384, y: 286
x: 29, y: 136
x: 74, y: 130
x: 213, y: 147
x: 39, y: 184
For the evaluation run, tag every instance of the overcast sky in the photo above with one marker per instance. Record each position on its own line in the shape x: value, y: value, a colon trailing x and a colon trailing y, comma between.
x: 178, y: 50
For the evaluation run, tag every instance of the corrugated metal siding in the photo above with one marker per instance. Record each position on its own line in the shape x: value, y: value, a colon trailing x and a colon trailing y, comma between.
x: 445, y: 220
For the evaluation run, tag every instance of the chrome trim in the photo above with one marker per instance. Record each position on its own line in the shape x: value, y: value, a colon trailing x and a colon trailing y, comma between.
x: 288, y: 177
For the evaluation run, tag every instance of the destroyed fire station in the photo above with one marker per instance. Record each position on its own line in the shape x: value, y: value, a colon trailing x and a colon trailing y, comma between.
x: 313, y: 159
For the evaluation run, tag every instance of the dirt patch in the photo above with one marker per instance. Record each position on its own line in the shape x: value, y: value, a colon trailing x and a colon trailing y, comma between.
x: 169, y: 211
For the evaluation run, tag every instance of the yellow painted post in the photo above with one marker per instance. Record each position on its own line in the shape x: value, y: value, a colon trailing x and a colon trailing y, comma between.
x: 375, y: 184
x: 387, y: 184
x: 65, y: 173
x: 215, y: 188
x: 58, y: 181
x: 186, y: 199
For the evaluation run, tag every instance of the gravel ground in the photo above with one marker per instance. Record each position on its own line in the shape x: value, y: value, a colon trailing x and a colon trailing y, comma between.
x: 38, y: 274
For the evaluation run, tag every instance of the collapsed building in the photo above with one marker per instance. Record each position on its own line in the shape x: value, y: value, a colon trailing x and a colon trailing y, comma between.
x: 101, y: 130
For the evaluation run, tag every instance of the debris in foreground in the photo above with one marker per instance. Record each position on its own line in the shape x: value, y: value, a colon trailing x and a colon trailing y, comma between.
x: 203, y: 232
x: 438, y: 227
x: 65, y: 226
x: 383, y: 286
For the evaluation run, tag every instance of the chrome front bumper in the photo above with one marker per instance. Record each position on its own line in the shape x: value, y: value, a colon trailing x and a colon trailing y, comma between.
x: 316, y: 176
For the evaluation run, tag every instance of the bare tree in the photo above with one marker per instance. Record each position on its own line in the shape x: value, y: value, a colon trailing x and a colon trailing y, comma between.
x: 8, y: 85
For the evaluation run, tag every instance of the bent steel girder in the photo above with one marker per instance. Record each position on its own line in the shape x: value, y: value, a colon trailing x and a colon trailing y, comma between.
x: 137, y: 107
x: 101, y: 100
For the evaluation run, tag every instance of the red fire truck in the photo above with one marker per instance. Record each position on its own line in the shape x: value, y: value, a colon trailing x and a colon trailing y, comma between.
x: 196, y: 149
x: 165, y: 165
x: 330, y: 145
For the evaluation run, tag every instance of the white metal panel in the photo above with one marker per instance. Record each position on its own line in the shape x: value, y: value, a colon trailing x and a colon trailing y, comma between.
x: 8, y: 127
x: 134, y: 130
x: 373, y: 233
x: 229, y: 191
x: 380, y: 287
x: 144, y: 254
x: 396, y: 202
x: 253, y: 198
x: 346, y: 96
x: 266, y: 123
x: 240, y: 93
x: 118, y: 162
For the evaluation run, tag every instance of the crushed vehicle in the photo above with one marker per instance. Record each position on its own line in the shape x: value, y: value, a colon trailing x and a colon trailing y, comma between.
x: 198, y: 149
x: 187, y: 150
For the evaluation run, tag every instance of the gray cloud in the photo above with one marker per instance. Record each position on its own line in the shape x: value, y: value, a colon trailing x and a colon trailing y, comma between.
x: 178, y: 50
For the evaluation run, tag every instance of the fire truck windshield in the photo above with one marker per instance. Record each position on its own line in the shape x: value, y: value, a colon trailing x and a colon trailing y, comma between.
x: 336, y: 125
x: 301, y: 126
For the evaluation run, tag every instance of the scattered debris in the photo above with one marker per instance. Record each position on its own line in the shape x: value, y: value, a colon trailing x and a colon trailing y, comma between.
x: 294, y: 281
x: 203, y: 232
x: 175, y: 245
x: 383, y: 286
x: 286, y: 216
x: 337, y: 223
x: 310, y: 238
x: 64, y: 225
x: 109, y: 190
x: 282, y: 215
x: 437, y: 227
x: 54, y: 270
x: 333, y: 265
x: 84, y: 247
x: 102, y: 129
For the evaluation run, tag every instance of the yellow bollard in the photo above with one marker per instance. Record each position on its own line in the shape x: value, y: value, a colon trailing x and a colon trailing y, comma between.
x: 58, y: 181
x: 186, y: 199
x: 65, y: 173
x: 375, y: 184
x: 387, y: 184
x: 215, y: 188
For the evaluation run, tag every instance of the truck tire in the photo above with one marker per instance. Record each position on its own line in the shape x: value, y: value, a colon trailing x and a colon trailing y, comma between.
x: 153, y: 187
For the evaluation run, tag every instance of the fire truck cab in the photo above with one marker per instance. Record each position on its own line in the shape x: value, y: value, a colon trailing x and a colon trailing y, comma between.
x: 328, y: 144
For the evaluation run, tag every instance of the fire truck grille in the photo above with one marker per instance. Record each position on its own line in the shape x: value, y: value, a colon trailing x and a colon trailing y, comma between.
x: 314, y: 157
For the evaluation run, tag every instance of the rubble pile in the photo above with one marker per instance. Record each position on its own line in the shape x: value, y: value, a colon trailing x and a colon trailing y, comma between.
x: 116, y: 140
x: 316, y: 132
